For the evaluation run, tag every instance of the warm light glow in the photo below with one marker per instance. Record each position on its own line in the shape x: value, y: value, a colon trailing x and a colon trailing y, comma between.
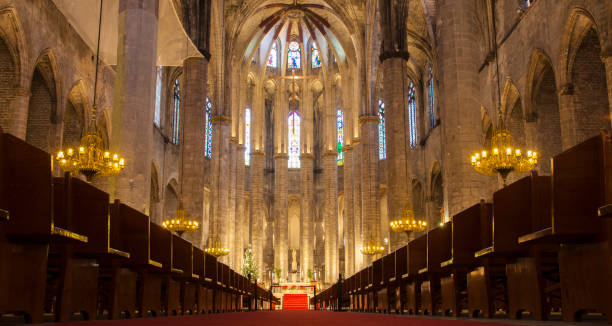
x: 407, y: 223
x: 179, y: 223
x: 215, y: 248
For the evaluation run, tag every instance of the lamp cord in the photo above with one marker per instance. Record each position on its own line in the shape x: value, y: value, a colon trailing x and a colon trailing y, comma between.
x: 93, y: 114
x: 496, y: 59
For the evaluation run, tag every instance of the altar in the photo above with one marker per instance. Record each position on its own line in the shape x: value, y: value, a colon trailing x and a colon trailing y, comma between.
x: 294, y: 295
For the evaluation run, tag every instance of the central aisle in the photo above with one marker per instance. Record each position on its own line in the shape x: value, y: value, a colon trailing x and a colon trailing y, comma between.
x: 287, y: 317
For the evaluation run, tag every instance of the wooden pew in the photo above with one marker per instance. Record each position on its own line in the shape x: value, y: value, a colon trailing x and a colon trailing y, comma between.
x: 581, y: 187
x: 401, y: 271
x: 202, y: 284
x: 378, y: 286
x: 161, y: 250
x: 78, y: 267
x: 210, y: 281
x: 417, y: 260
x: 390, y: 281
x: 468, y: 228
x: 182, y: 259
x: 513, y: 207
x: 370, y: 297
x: 438, y: 242
x: 26, y: 190
x: 361, y: 283
x: 144, y: 260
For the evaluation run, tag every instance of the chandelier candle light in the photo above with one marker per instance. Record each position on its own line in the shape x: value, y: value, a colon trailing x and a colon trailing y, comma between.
x: 215, y: 247
x: 372, y: 247
x: 407, y: 223
x: 92, y: 158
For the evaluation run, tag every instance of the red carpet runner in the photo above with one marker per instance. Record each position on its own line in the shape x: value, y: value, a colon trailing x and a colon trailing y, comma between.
x: 291, y: 317
x: 295, y: 302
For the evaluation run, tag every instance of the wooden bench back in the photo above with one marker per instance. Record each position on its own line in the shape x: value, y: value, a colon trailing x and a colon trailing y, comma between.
x: 133, y: 231
x: 198, y: 262
x: 377, y: 272
x: 182, y: 255
x: 389, y: 267
x: 161, y: 246
x: 417, y: 255
x: 401, y: 262
x: 26, y: 189
x: 515, y: 207
x: 469, y: 227
x: 210, y: 267
x: 581, y: 183
x: 439, y: 242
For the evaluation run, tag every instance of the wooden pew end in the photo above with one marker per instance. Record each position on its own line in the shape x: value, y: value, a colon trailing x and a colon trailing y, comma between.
x: 605, y: 211
x: 4, y: 215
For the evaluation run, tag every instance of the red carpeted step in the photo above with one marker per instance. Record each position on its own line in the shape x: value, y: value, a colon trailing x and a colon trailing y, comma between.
x: 295, y: 301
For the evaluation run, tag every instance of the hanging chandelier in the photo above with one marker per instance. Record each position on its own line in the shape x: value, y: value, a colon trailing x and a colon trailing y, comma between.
x: 372, y: 247
x: 215, y: 247
x: 503, y: 157
x: 92, y: 158
x: 179, y: 223
x: 407, y: 223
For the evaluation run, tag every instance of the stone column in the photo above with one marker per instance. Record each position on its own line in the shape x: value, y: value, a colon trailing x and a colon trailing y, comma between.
x: 220, y: 171
x: 257, y: 208
x: 357, y: 203
x: 307, y: 207
x: 281, y: 211
x: 349, y: 212
x: 242, y: 220
x: 19, y: 106
x: 330, y: 215
x: 460, y: 108
x: 370, y: 213
x: 398, y: 150
x: 132, y: 116
x: 195, y: 71
x: 607, y: 59
x: 567, y: 118
x: 231, y: 221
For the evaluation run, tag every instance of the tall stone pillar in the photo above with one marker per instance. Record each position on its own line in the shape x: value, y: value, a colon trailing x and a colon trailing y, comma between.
x: 370, y: 213
x: 349, y: 212
x: 257, y: 208
x: 460, y: 108
x: 307, y: 225
x: 18, y: 125
x: 231, y: 221
x: 242, y: 219
x: 567, y: 118
x: 132, y: 116
x: 195, y: 71
x: 357, y: 203
x: 220, y: 171
x: 330, y: 213
x: 281, y: 211
x: 398, y: 150
x: 607, y: 59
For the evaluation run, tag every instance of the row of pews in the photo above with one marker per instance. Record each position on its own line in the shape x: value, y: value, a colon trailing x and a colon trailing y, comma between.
x: 65, y: 250
x: 543, y: 246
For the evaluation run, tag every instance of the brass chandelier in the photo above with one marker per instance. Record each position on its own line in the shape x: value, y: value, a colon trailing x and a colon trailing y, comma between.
x: 92, y: 158
x: 215, y: 248
x: 179, y: 223
x: 503, y: 157
x: 407, y: 223
x: 372, y: 247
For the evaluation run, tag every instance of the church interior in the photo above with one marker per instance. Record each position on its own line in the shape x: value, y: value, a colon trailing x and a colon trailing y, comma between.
x: 391, y: 158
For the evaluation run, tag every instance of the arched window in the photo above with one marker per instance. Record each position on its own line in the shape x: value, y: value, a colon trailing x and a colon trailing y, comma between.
x: 340, y: 129
x: 208, y: 129
x: 158, y: 92
x: 431, y: 99
x: 294, y: 58
x: 294, y: 140
x: 382, y: 142
x: 176, y: 112
x: 412, y: 116
x: 273, y: 57
x: 247, y: 136
x: 316, y: 59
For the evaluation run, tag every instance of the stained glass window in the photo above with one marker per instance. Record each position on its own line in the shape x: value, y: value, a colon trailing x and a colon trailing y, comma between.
x: 273, y: 57
x: 294, y: 59
x: 247, y: 136
x: 382, y: 142
x: 412, y: 116
x: 316, y: 60
x: 340, y: 129
x: 431, y: 99
x: 294, y: 140
x: 158, y: 92
x: 176, y: 112
x: 208, y: 130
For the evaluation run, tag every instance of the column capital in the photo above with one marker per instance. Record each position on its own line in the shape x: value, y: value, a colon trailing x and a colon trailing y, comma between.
x: 347, y: 148
x: 368, y: 118
x: 221, y: 119
x: 328, y: 154
x: 356, y: 141
x: 258, y: 153
x: 306, y: 156
x: 281, y: 156
x: 233, y: 140
x: 394, y: 54
x: 567, y: 89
